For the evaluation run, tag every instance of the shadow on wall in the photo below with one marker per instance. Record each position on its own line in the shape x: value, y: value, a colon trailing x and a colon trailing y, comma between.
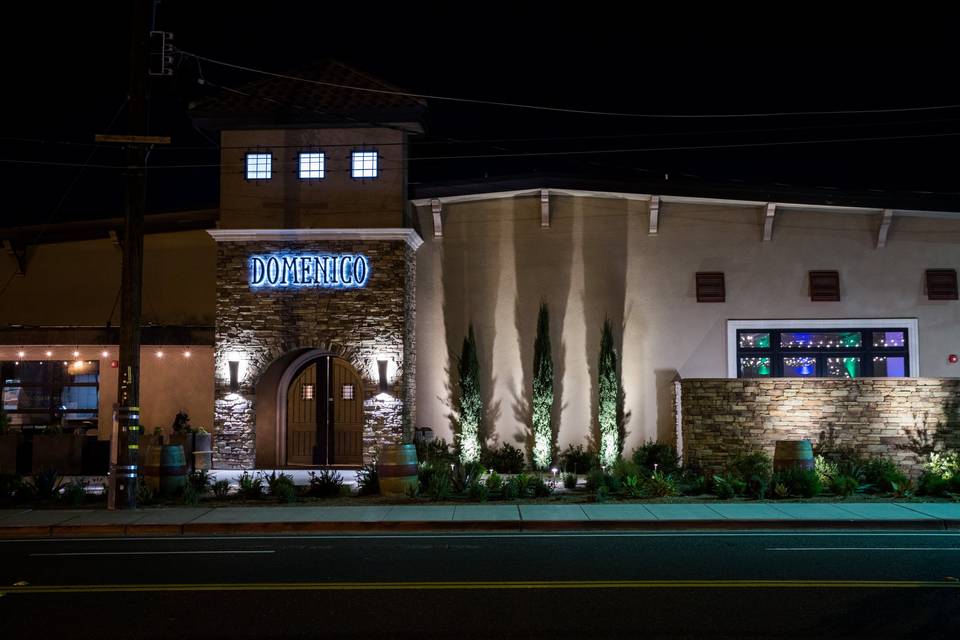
x: 543, y: 261
x: 605, y: 287
x: 470, y: 272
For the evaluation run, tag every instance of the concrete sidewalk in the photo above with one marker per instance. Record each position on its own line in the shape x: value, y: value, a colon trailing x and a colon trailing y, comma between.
x: 15, y: 523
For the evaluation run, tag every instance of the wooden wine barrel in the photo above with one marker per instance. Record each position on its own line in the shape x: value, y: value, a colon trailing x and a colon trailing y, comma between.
x: 792, y: 454
x: 173, y: 469
x: 151, y: 466
x: 397, y: 469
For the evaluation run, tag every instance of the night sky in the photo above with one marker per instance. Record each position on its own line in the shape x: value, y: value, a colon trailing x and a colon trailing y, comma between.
x: 66, y: 79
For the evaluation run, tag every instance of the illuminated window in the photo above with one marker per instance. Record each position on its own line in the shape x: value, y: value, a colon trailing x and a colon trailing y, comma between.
x: 347, y: 392
x: 306, y: 392
x: 312, y: 166
x: 364, y: 164
x: 259, y: 166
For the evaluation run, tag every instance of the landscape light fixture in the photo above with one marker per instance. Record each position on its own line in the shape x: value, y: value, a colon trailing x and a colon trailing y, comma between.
x: 234, y: 375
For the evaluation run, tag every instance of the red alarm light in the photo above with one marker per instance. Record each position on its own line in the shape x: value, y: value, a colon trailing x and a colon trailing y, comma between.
x: 952, y: 358
x: 114, y: 364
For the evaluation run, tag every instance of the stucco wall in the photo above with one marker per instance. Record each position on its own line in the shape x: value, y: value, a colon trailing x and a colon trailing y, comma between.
x: 875, y: 416
x: 76, y: 283
x: 495, y: 264
x: 285, y: 201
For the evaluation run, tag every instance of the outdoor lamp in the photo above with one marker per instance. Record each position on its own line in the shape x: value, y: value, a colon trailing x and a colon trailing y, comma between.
x: 234, y: 376
x: 382, y: 370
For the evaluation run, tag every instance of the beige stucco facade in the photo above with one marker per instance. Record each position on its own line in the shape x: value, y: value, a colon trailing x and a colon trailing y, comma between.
x: 495, y: 263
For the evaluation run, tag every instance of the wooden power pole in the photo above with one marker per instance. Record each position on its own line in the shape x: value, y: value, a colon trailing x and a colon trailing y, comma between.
x: 124, y: 459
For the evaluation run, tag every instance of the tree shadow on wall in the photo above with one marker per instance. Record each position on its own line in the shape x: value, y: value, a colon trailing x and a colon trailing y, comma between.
x: 944, y: 435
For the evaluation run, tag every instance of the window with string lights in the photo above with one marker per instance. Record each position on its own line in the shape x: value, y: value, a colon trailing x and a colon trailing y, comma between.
x: 819, y: 353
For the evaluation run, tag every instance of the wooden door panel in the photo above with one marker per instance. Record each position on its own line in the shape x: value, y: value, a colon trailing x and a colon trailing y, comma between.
x: 302, y: 416
x: 348, y: 395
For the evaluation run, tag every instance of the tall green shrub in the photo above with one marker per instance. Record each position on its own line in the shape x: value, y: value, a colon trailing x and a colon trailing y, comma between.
x: 542, y: 392
x: 607, y: 398
x: 471, y: 404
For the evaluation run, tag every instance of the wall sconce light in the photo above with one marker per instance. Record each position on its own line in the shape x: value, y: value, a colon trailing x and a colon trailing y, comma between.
x: 382, y: 370
x: 234, y: 376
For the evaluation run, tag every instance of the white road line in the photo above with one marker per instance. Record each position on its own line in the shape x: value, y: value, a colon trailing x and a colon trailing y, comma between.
x: 862, y: 549
x: 149, y: 553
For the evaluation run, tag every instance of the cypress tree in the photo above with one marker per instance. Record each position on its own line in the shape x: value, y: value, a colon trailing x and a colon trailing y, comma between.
x: 471, y: 404
x: 607, y: 398
x: 542, y: 392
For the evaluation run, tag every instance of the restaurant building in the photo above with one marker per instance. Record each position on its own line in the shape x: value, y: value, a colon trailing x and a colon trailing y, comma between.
x: 318, y: 312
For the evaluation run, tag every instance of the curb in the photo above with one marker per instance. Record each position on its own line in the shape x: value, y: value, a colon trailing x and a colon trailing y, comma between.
x: 278, y: 528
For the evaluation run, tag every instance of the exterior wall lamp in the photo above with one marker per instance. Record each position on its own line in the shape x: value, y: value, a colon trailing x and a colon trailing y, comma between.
x: 382, y: 371
x: 234, y: 376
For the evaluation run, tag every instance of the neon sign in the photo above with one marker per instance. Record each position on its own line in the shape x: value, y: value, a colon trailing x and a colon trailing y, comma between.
x: 327, y: 271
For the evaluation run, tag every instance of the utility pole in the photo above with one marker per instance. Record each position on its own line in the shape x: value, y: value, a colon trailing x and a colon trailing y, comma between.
x: 124, y: 458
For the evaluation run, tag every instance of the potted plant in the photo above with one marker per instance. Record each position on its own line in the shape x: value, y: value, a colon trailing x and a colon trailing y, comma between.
x: 9, y: 441
x: 182, y: 434
x: 202, y: 449
x: 54, y: 449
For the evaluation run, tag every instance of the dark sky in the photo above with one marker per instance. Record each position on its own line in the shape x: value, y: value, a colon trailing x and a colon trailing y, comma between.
x: 66, y: 78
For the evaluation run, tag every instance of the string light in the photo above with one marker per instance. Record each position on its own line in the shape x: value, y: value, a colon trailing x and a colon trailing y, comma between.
x: 76, y: 353
x: 186, y: 354
x: 105, y: 354
x: 21, y: 354
x: 159, y: 353
x: 49, y: 353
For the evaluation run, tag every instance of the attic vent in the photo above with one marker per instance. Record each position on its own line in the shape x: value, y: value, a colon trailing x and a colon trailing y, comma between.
x: 710, y: 287
x: 825, y: 286
x: 942, y: 284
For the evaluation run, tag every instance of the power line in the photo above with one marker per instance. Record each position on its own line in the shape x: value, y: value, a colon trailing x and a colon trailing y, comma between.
x: 514, y: 105
x: 742, y: 145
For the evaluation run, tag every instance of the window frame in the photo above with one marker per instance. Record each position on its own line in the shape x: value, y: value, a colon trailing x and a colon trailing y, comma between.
x: 53, y: 385
x: 323, y: 165
x: 376, y: 167
x: 246, y: 166
x: 910, y: 351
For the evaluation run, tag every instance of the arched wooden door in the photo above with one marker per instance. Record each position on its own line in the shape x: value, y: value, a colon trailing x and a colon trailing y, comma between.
x: 325, y: 415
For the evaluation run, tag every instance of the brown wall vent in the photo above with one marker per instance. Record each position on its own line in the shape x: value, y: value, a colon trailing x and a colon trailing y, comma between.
x: 942, y: 284
x: 825, y: 286
x: 710, y: 287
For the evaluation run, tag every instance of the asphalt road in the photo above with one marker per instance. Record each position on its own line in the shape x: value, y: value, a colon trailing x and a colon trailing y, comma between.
x: 564, y: 585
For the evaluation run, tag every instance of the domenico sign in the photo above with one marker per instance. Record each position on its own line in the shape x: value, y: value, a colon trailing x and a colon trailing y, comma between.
x: 327, y: 271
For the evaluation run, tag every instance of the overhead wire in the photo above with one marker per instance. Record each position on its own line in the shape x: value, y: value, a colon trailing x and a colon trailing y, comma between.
x: 568, y: 110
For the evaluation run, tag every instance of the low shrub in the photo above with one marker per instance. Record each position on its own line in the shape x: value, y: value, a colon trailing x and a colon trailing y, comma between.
x: 633, y: 487
x: 660, y: 485
x: 656, y: 456
x: 11, y: 485
x: 539, y: 488
x: 945, y: 465
x: 883, y: 475
x: 189, y: 495
x: 494, y: 482
x: 577, y: 459
x: 283, y: 489
x: 510, y: 490
x: 826, y: 470
x: 326, y: 484
x: 477, y: 491
x: 755, y: 470
x: 439, y: 486
x: 932, y: 484
x: 799, y: 482
x: 727, y: 486
x: 368, y: 479
x: 145, y: 493
x: 46, y: 484
x: 200, y: 481
x: 524, y: 483
x: 249, y: 487
x: 570, y: 481
x: 74, y: 493
x: 844, y: 485
x: 221, y: 489
x: 436, y: 451
x: 691, y: 483
x: 506, y: 459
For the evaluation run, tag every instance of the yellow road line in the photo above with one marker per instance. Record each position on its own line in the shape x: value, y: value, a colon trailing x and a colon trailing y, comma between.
x: 490, y: 585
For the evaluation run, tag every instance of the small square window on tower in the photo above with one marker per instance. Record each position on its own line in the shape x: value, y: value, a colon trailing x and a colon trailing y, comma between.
x: 347, y: 392
x: 824, y: 286
x: 306, y: 392
x: 364, y: 164
x: 259, y: 166
x: 312, y: 166
x: 711, y: 287
x: 941, y: 284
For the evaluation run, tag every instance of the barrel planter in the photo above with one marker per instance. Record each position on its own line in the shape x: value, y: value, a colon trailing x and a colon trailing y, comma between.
x: 397, y: 469
x: 793, y: 454
x: 173, y: 470
x: 185, y: 440
x: 150, y: 462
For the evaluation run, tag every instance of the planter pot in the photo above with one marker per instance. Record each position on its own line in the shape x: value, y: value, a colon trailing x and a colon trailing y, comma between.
x: 793, y: 454
x: 9, y: 443
x: 202, y: 442
x: 397, y: 469
x: 185, y: 440
x: 62, y: 451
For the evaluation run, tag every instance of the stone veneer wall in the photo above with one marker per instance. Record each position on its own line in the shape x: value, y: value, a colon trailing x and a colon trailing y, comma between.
x: 877, y: 416
x: 258, y: 326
